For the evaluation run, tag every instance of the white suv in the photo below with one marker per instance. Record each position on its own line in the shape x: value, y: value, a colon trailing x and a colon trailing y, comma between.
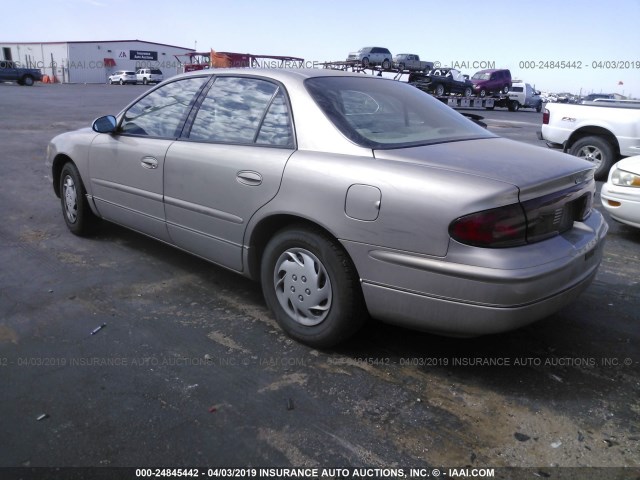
x: 372, y: 56
x: 122, y: 77
x: 149, y: 75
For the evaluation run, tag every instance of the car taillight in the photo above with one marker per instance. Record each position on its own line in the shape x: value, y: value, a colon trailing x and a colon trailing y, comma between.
x: 498, y: 227
x: 527, y: 222
x: 545, y: 117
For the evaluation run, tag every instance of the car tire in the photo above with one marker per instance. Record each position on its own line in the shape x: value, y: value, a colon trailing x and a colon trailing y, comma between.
x: 302, y: 264
x: 27, y: 80
x: 386, y: 64
x: 401, y: 66
x: 597, y: 150
x: 514, y: 106
x: 365, y: 62
x: 439, y: 90
x: 121, y: 82
x: 482, y: 93
x: 110, y: 82
x: 539, y: 107
x: 75, y: 208
x: 145, y: 81
x: 467, y: 92
x: 505, y: 89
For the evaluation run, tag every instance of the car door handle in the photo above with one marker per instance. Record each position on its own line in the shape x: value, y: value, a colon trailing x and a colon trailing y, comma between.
x: 149, y: 162
x: 248, y: 177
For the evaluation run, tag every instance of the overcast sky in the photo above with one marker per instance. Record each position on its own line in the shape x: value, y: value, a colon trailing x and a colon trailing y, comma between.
x: 598, y: 41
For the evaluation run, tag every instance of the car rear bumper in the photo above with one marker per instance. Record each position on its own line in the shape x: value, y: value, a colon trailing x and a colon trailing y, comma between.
x: 466, y: 300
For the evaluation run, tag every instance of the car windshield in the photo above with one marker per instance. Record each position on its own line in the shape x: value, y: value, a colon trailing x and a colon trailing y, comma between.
x: 481, y: 76
x: 383, y: 114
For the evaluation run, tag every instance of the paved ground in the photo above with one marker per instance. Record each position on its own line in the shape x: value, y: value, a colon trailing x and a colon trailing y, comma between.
x: 191, y: 369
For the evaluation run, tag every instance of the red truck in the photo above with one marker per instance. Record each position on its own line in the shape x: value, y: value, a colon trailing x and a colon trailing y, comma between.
x: 202, y: 60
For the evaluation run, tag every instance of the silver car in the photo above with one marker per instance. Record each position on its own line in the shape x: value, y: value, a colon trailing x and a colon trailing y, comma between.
x: 346, y: 195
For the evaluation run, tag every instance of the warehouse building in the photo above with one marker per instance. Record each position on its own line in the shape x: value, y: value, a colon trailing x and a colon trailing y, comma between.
x: 92, y: 62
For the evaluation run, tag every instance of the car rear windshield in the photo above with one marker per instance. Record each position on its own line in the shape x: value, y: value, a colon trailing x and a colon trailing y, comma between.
x: 384, y: 114
x: 129, y: 73
x: 156, y: 72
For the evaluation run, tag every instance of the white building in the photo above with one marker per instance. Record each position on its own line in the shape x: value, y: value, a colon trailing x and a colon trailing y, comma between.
x: 92, y: 62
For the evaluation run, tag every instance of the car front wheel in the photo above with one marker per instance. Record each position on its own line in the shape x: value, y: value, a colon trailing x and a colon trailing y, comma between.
x: 121, y: 82
x: 439, y: 90
x: 145, y: 81
x: 311, y: 286
x: 76, y: 211
x: 365, y: 62
x: 596, y: 150
x: 386, y: 64
x: 467, y: 92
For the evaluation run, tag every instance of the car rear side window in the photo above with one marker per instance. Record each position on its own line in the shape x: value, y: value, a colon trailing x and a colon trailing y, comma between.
x: 163, y: 111
x: 243, y: 111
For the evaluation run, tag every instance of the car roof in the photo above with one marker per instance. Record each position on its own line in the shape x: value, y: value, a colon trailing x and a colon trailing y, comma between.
x: 284, y: 75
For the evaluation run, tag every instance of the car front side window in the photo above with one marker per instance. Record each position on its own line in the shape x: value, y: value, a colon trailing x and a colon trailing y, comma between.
x: 163, y: 111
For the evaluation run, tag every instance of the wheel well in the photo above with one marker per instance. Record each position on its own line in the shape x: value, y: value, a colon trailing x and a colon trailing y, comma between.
x: 56, y: 170
x: 264, y: 231
x: 594, y: 131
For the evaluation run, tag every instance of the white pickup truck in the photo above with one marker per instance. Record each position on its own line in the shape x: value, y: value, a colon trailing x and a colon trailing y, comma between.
x: 599, y: 131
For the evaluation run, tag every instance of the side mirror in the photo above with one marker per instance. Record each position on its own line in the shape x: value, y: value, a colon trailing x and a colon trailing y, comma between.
x: 106, y: 124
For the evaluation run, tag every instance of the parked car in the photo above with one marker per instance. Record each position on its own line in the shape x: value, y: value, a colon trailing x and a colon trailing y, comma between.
x: 412, y: 62
x: 621, y: 194
x: 594, y: 96
x: 149, y: 75
x: 12, y: 72
x: 601, y: 132
x: 368, y: 56
x: 443, y: 81
x: 523, y: 95
x: 491, y: 81
x: 343, y: 194
x: 122, y: 77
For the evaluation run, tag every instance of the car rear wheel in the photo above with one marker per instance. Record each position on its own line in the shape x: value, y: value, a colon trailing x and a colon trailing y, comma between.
x: 365, y: 62
x: 482, y: 93
x: 386, y: 64
x: 75, y: 208
x: 145, y: 81
x: 121, y: 82
x: 505, y: 89
x: 596, y: 150
x: 27, y: 80
x: 401, y: 66
x: 439, y: 90
x: 311, y: 286
x: 514, y: 106
x: 467, y: 92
